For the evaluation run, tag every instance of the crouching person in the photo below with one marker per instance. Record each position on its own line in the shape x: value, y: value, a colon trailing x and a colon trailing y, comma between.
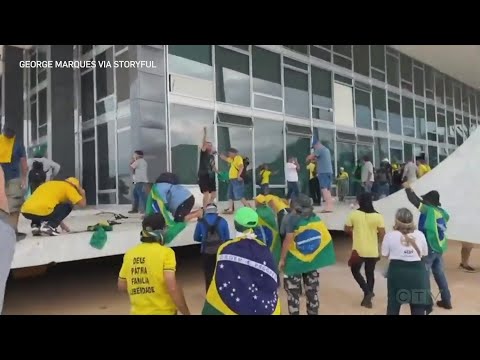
x: 148, y: 273
x: 51, y: 203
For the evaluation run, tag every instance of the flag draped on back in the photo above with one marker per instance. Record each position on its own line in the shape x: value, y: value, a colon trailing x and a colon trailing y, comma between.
x: 433, y: 223
x: 156, y: 204
x: 311, y: 249
x: 268, y: 231
x: 245, y: 280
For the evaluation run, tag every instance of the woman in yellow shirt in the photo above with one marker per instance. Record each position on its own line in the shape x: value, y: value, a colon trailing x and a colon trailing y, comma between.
x: 367, y: 228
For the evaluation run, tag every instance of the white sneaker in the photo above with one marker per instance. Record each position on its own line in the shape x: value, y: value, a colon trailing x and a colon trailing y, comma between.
x: 46, y: 229
x: 36, y: 230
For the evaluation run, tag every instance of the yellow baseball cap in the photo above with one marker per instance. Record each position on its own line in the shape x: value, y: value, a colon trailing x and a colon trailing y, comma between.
x: 73, y: 181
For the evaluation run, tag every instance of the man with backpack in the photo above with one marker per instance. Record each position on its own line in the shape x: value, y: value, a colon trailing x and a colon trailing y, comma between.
x: 383, y: 179
x: 211, y: 231
x: 237, y: 176
x: 41, y: 170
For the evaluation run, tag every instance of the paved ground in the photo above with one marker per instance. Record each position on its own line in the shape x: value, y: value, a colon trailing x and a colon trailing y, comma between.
x: 89, y: 287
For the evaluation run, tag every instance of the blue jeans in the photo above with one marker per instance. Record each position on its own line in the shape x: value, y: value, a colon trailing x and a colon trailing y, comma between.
x: 383, y: 190
x: 139, y: 197
x: 434, y: 262
x: 292, y: 190
x: 236, y: 189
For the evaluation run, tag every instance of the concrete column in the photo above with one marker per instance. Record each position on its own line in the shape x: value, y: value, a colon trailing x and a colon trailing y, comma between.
x: 13, y: 89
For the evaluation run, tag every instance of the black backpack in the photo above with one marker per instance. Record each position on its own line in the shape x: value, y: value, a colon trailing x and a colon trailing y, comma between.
x: 37, y: 175
x: 213, y: 241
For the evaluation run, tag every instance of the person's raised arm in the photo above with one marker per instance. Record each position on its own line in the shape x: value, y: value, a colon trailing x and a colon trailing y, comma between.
x: 204, y: 139
x: 411, y: 196
x: 224, y: 158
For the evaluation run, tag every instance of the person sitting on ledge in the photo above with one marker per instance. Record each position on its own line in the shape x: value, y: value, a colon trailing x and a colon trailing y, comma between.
x: 51, y: 203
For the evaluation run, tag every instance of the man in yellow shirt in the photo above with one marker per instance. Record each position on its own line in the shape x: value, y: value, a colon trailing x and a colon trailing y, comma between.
x: 422, y: 167
x: 265, y: 174
x: 313, y: 184
x: 148, y: 273
x: 367, y: 228
x: 51, y: 203
x: 236, y: 184
x: 343, y: 184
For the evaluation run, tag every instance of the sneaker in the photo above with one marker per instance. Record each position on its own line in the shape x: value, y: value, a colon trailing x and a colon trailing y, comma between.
x: 48, y: 230
x: 367, y: 301
x: 467, y: 268
x: 36, y: 230
x: 444, y: 305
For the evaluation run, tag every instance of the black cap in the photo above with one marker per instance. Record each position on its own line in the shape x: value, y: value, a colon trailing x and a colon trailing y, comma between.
x: 432, y: 198
x: 153, y: 222
x: 169, y: 178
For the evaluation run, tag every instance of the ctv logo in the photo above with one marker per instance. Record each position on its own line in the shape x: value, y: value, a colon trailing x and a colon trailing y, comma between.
x: 415, y: 296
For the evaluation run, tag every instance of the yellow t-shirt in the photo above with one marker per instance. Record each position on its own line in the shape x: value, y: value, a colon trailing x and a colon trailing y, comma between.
x: 265, y: 174
x: 142, y: 268
x: 311, y: 170
x: 342, y: 176
x: 48, y: 195
x: 235, y: 164
x: 423, y: 169
x: 277, y: 203
x: 365, y: 230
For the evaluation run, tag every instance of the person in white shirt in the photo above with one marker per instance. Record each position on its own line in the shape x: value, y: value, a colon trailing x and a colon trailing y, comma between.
x: 407, y: 278
x: 367, y: 176
x: 410, y: 172
x: 291, y: 174
x: 140, y: 180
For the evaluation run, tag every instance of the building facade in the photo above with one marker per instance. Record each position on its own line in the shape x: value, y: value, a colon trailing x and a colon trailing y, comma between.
x: 265, y: 100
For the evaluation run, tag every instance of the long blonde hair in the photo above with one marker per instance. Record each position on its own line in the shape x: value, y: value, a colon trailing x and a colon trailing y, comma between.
x: 405, y: 224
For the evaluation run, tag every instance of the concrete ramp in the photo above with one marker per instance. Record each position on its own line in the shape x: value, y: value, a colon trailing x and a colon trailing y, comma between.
x: 457, y: 180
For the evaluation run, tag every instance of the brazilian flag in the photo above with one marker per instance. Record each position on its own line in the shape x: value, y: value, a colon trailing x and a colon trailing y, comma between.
x: 268, y: 232
x: 311, y: 249
x: 245, y: 281
x: 156, y: 204
x: 433, y: 223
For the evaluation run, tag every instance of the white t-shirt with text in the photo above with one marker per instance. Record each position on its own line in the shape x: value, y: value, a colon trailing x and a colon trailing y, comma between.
x: 291, y: 173
x: 393, y: 248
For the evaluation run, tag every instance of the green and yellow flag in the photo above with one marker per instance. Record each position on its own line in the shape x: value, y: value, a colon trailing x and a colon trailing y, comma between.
x: 311, y: 249
x: 155, y: 204
x: 268, y: 231
x: 245, y: 281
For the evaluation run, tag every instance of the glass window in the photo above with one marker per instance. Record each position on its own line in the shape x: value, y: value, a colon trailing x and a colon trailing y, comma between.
x: 465, y: 97
x: 89, y: 176
x: 107, y: 198
x: 361, y: 58
x: 420, y: 123
x: 458, y: 97
x: 191, y: 60
x: 396, y: 152
x: 33, y: 76
x: 303, y: 49
x: 428, y: 78
x: 123, y: 79
x: 86, y: 48
x: 345, y: 50
x: 418, y: 81
x: 432, y: 156
x: 125, y: 152
x: 379, y: 109
x: 466, y: 127
x: 104, y: 75
x: 451, y: 130
x: 326, y: 136
x: 473, y: 106
x: 33, y: 118
x: 431, y: 123
x: 441, y: 128
x: 267, y: 77
x: 459, y: 132
x: 448, y: 91
x: 378, y: 56
x: 185, y: 144
x: 321, y: 88
x: 343, y: 105
x: 394, y: 118
x: 120, y: 47
x: 106, y: 156
x: 269, y: 149
x: 408, y: 121
x: 439, y: 88
x: 363, y: 111
x: 378, y: 75
x: 381, y: 150
x: 268, y: 103
x: 232, y: 72
x: 42, y: 107
x: 296, y: 93
x: 343, y: 62
x: 406, y: 67
x: 295, y: 63
x: 408, y: 151
x: 88, y: 103
x: 320, y: 53
x: 392, y: 71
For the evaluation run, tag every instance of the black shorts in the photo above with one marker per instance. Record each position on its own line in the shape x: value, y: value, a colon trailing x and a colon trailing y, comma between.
x: 207, y: 183
x: 184, y: 209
